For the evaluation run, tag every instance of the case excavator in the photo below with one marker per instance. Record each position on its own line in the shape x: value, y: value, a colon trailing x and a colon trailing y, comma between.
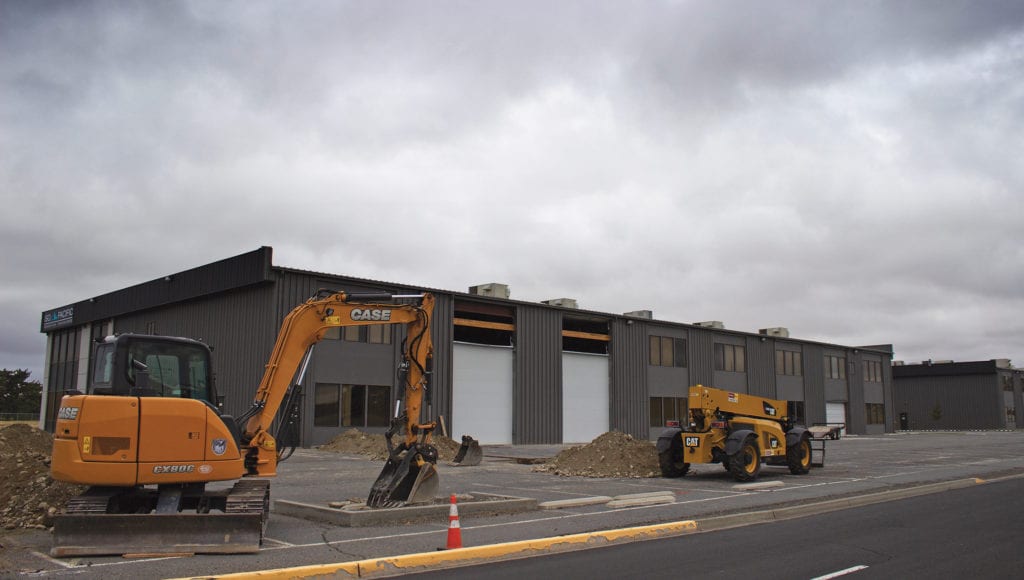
x: 159, y: 455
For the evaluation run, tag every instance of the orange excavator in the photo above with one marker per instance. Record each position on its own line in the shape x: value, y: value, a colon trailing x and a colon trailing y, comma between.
x: 149, y: 435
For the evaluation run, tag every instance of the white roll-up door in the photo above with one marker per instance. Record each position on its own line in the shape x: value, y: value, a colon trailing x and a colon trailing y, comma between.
x: 482, y: 393
x: 584, y: 396
x: 836, y: 413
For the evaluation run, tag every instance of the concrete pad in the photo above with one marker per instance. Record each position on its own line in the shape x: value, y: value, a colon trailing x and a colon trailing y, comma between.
x: 358, y: 515
x: 754, y: 486
x: 575, y: 502
x: 645, y: 495
x: 642, y: 501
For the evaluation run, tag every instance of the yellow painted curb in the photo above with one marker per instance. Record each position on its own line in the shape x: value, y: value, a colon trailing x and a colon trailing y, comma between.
x: 478, y: 554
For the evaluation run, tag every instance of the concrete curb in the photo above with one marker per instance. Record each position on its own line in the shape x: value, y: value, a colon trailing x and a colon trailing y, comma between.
x: 425, y: 561
x: 482, y: 554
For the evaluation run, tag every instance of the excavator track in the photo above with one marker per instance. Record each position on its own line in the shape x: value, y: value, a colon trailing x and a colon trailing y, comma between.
x: 230, y: 522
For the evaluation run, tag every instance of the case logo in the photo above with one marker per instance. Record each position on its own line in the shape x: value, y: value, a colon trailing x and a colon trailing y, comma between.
x: 68, y: 413
x: 371, y: 314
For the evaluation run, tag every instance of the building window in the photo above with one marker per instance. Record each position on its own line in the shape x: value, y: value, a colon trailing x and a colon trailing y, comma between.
x: 835, y: 367
x: 351, y: 405
x: 1008, y: 383
x: 665, y: 409
x: 373, y: 334
x: 795, y: 409
x: 325, y: 405
x: 667, y: 351
x: 365, y: 405
x: 872, y: 371
x: 378, y: 334
x: 875, y: 413
x: 730, y: 357
x: 788, y: 363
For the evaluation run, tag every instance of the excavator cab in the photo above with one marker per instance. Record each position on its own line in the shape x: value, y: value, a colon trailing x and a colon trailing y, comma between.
x: 150, y: 366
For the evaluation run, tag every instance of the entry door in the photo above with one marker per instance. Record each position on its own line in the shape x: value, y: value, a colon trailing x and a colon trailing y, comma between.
x: 584, y: 396
x: 482, y: 393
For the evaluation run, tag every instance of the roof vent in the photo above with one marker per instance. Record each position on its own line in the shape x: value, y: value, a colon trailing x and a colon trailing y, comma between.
x: 563, y: 302
x: 710, y: 324
x: 648, y: 314
x: 778, y: 331
x: 493, y: 289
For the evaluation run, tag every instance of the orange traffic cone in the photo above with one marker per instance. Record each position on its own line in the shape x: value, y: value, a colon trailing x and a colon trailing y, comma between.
x: 454, y: 530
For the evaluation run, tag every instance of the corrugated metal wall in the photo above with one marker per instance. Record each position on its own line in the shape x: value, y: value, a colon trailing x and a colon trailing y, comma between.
x: 950, y: 402
x: 814, y: 383
x: 443, y: 335
x: 239, y: 326
x: 702, y: 357
x: 537, y: 384
x: 628, y: 389
x: 856, y: 411
x: 761, y: 367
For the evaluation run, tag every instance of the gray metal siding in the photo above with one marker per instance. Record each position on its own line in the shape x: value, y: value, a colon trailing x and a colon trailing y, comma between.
x: 856, y: 411
x: 443, y: 335
x: 702, y: 357
x: 238, y: 326
x: 630, y: 412
x: 537, y: 384
x: 761, y: 367
x: 950, y: 402
x: 814, y: 383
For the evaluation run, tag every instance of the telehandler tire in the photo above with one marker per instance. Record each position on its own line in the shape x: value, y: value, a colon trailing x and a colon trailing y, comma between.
x: 798, y: 457
x: 671, y: 461
x: 745, y: 464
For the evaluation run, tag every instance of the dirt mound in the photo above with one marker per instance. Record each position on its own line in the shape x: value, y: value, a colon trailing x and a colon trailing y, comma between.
x: 611, y: 454
x: 28, y: 496
x: 373, y: 445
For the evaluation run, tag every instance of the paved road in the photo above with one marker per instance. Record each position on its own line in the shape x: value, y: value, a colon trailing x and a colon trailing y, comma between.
x: 967, y: 533
x: 854, y: 465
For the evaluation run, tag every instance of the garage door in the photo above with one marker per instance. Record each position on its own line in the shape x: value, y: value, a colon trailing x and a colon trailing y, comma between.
x: 836, y: 413
x: 584, y: 396
x: 482, y: 393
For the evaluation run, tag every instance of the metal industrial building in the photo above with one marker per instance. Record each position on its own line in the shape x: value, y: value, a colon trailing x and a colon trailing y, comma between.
x: 506, y: 371
x: 958, y: 395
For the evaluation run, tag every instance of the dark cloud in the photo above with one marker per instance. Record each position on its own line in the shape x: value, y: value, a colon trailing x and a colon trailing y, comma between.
x: 843, y: 169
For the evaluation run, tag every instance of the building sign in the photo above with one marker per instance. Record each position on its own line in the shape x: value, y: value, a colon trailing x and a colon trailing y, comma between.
x: 59, y: 318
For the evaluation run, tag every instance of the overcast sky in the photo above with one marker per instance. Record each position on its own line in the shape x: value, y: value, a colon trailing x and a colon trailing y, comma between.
x: 852, y: 171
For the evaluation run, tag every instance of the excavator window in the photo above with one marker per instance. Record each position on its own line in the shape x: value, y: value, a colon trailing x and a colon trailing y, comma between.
x: 154, y: 367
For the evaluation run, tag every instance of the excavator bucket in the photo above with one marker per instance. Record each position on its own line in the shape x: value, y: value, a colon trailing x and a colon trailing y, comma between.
x: 469, y: 452
x: 406, y: 479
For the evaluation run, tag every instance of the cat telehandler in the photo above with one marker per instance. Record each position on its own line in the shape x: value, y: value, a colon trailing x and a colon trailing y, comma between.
x: 737, y: 430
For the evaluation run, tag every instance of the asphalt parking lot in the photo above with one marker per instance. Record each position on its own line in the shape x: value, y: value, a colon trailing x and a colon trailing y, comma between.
x: 854, y: 466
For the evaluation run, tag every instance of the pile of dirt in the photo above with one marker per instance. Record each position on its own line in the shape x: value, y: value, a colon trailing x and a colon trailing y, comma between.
x: 374, y: 446
x: 611, y: 454
x: 28, y: 496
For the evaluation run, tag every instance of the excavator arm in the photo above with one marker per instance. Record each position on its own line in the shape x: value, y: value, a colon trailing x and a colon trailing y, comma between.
x: 409, y: 474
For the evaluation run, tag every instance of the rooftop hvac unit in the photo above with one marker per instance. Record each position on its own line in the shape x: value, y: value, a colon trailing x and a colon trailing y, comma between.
x: 648, y: 314
x: 710, y: 324
x: 563, y: 302
x: 778, y: 331
x: 897, y: 363
x: 493, y: 289
x: 1003, y: 363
